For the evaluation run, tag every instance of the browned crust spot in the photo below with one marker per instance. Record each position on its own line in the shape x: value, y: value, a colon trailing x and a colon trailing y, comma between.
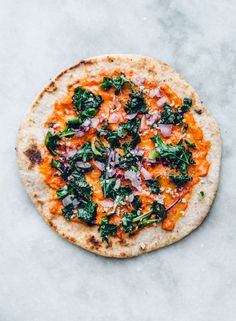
x: 34, y: 155
x: 123, y: 242
x: 95, y: 243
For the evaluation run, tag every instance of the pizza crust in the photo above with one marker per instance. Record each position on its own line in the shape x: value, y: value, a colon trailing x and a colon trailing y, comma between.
x: 31, y: 135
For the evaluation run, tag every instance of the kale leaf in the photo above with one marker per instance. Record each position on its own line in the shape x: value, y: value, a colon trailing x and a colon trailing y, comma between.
x: 136, y: 203
x: 127, y: 223
x: 128, y: 146
x: 176, y: 156
x: 84, y: 154
x: 108, y: 188
x: 116, y: 82
x: 86, y: 103
x: 156, y: 209
x: 180, y: 181
x: 87, y: 212
x: 130, y: 127
x: 153, y: 185
x: 191, y: 145
x: 112, y: 138
x: 51, y: 140
x: 169, y: 116
x: 107, y: 228
x: 129, y: 161
x: 136, y: 104
x: 67, y: 211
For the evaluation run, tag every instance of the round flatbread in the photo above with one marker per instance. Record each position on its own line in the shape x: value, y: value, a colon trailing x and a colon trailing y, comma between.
x: 139, y: 70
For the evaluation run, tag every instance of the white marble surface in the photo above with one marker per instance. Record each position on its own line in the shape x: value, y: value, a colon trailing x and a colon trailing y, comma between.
x: 42, y: 277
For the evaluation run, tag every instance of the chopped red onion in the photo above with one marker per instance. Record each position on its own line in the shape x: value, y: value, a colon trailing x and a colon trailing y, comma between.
x: 72, y: 152
x: 131, y: 197
x: 114, y: 118
x: 160, y: 199
x: 145, y: 173
x: 101, y: 119
x: 67, y: 200
x: 86, y: 123
x: 162, y: 101
x: 111, y: 172
x: 79, y: 133
x: 83, y: 165
x: 137, y: 80
x: 99, y: 165
x: 94, y: 122
x: 131, y: 116
x: 117, y: 184
x: 133, y: 178
x: 154, y: 92
x: 150, y: 161
x: 154, y: 117
x: 116, y: 158
x: 165, y: 129
x: 143, y: 124
x: 108, y: 204
x: 116, y: 103
x: 137, y: 151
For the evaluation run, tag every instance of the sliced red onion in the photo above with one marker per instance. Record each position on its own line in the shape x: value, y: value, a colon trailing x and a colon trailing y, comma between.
x: 173, y: 204
x: 108, y: 204
x: 99, y: 165
x: 137, y: 151
x: 83, y: 165
x: 131, y: 197
x: 162, y: 101
x: 137, y: 80
x: 160, y: 199
x: 143, y: 124
x: 67, y: 200
x: 133, y: 178
x: 165, y: 129
x: 86, y: 123
x: 150, y: 161
x: 114, y: 118
x: 111, y: 172
x: 117, y: 184
x: 154, y: 117
x: 116, y: 103
x: 145, y: 173
x: 154, y: 92
x: 131, y: 116
x: 94, y: 122
x: 79, y: 133
x: 116, y: 158
x: 72, y: 152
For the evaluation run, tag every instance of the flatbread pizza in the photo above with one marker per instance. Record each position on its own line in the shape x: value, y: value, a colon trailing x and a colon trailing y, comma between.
x: 120, y: 156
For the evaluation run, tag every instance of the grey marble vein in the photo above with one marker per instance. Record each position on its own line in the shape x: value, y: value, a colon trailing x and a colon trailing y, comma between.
x: 42, y: 277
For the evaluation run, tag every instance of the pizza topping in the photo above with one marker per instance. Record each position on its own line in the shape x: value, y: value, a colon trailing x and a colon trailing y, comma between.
x: 136, y: 104
x: 165, y: 130
x: 119, y: 156
x: 116, y: 82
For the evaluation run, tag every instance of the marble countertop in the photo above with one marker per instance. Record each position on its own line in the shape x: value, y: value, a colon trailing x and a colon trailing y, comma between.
x: 43, y: 277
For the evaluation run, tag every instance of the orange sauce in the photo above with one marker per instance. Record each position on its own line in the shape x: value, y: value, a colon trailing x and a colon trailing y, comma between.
x: 63, y: 111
